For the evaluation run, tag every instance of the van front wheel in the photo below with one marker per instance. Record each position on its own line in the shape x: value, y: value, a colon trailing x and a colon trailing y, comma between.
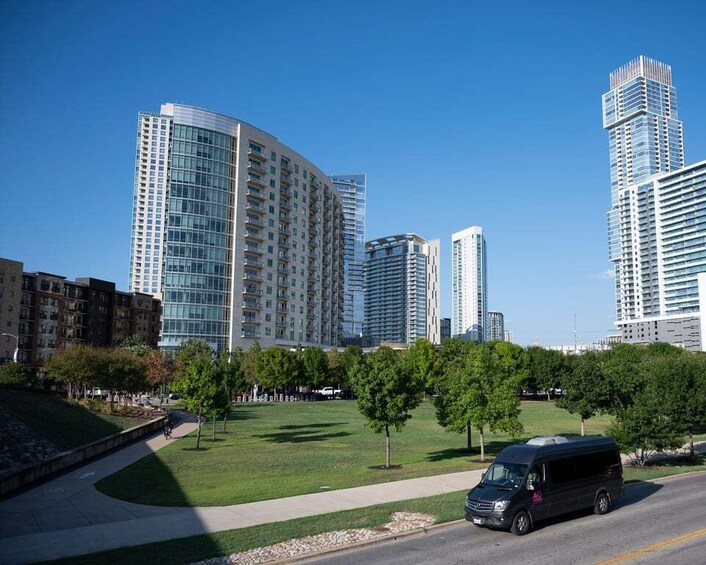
x: 520, y: 523
x: 602, y: 504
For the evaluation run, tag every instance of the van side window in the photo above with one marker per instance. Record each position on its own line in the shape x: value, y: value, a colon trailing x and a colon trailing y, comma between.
x: 536, y: 475
x: 562, y: 470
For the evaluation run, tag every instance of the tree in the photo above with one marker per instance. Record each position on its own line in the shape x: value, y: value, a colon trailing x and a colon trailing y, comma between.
x: 198, y: 380
x: 315, y: 367
x: 277, y: 367
x: 230, y: 369
x: 546, y: 369
x: 351, y: 358
x: 14, y: 375
x: 586, y: 388
x: 136, y: 345
x: 481, y: 389
x: 423, y: 362
x: 336, y: 374
x: 75, y: 366
x: 249, y: 364
x: 386, y: 391
x: 159, y: 372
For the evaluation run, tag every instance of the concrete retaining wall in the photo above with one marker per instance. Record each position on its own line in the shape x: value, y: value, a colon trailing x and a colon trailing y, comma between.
x: 28, y: 474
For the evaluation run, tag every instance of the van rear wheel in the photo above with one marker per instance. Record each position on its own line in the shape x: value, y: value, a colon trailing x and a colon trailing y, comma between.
x: 520, y: 523
x: 602, y: 504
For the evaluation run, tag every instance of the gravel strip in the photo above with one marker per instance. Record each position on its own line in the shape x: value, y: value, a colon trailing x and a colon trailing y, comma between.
x: 401, y: 522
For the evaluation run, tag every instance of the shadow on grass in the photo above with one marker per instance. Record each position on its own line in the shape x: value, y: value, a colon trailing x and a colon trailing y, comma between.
x: 383, y: 468
x: 316, y: 426
x: 301, y: 437
x: 491, y: 450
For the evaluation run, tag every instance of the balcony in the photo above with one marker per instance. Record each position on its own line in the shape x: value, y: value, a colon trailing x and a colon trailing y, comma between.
x: 284, y: 230
x: 256, y: 180
x: 282, y: 256
x: 255, y: 193
x: 251, y: 206
x: 285, y: 166
x: 252, y: 277
x: 284, y: 205
x: 256, y: 153
x: 252, y: 305
x: 251, y: 291
x: 253, y: 249
x: 253, y: 235
x: 284, y: 218
x: 257, y: 167
x: 285, y: 180
x: 285, y: 192
x: 253, y: 221
x: 250, y: 334
x: 253, y: 262
x: 253, y: 321
x: 283, y: 243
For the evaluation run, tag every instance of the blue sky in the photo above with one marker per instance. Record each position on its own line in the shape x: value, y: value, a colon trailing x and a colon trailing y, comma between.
x: 460, y: 113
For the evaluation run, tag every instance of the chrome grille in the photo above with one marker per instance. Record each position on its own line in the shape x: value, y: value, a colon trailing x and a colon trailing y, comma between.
x: 479, y: 505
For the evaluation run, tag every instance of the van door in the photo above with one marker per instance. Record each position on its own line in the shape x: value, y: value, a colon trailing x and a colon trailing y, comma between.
x: 562, y: 485
x: 539, y: 502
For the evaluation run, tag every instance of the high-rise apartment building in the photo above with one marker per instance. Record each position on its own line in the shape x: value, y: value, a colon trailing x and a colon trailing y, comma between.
x: 663, y: 242
x: 352, y: 189
x: 645, y: 137
x: 445, y: 329
x: 240, y: 236
x: 402, y: 300
x: 656, y: 239
x: 469, y: 286
x: 496, y: 326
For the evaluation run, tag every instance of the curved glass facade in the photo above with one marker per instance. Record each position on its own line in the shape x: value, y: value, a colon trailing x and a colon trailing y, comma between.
x: 197, y: 258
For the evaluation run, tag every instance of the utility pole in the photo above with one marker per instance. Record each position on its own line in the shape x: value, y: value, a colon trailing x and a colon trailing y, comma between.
x: 575, y: 344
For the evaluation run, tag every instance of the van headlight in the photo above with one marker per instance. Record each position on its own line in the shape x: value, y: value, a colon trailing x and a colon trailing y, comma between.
x: 500, y: 505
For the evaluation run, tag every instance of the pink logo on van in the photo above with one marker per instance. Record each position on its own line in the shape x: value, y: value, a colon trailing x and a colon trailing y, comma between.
x: 537, y: 497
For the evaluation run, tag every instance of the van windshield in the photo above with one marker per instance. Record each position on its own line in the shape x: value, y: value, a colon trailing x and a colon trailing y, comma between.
x: 508, y: 475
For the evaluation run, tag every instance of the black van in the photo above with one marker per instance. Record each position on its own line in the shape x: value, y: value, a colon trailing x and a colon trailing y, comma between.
x: 545, y: 477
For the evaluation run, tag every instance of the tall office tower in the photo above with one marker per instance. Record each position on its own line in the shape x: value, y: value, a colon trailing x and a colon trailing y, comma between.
x: 645, y: 137
x: 496, y: 326
x: 240, y: 236
x: 352, y: 189
x: 445, y: 329
x: 402, y: 300
x: 469, y: 286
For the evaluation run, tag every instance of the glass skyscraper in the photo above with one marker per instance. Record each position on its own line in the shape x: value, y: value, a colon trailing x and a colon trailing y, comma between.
x: 469, y: 285
x: 352, y: 189
x: 240, y: 236
x: 645, y: 137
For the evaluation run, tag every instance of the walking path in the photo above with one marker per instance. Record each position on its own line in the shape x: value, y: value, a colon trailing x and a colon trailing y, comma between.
x: 67, y: 516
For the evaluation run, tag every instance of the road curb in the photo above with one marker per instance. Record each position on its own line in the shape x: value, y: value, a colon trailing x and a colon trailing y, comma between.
x: 365, y: 543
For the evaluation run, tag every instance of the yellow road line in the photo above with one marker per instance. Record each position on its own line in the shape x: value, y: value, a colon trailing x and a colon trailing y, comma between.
x: 652, y: 548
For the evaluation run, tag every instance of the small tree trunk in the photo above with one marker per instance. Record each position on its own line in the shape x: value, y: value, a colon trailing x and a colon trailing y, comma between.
x: 214, y: 426
x: 583, y: 427
x: 469, y: 441
x: 225, y: 419
x: 691, y: 445
x: 387, y: 447
x: 549, y: 395
x: 198, y: 431
x: 482, y: 444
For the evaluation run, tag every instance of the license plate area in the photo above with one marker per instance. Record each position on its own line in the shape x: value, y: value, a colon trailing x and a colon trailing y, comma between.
x: 477, y: 521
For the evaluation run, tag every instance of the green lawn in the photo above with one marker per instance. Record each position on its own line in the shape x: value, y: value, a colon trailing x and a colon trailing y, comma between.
x: 65, y: 425
x: 278, y: 450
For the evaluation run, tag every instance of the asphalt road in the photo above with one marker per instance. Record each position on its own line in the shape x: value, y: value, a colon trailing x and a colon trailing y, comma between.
x: 656, y: 522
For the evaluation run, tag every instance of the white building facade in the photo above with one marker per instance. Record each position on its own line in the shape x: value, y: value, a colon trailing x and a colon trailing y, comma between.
x: 240, y: 236
x: 469, y: 285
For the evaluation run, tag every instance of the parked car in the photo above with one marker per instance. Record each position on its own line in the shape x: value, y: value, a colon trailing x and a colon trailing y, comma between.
x: 546, y: 477
x: 174, y: 396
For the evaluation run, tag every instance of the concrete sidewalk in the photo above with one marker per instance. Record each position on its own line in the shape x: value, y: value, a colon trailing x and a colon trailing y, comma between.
x: 67, y: 517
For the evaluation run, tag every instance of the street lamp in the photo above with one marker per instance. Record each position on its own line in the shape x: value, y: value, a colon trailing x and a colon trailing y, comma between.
x: 17, y: 345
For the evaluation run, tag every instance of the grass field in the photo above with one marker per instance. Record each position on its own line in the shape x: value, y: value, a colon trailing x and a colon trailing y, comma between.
x: 65, y: 425
x: 277, y: 450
